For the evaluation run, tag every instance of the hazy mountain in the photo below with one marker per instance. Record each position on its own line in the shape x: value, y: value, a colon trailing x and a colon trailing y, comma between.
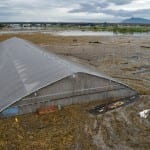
x: 136, y: 20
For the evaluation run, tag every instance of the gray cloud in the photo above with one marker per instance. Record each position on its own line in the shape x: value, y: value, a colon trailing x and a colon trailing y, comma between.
x: 92, y: 7
x: 102, y: 7
x: 24, y: 10
x: 95, y: 7
x: 119, y: 13
x: 125, y: 13
x: 14, y: 10
x: 120, y: 2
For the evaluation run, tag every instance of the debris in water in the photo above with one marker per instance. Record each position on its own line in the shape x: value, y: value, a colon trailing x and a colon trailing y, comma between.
x: 95, y: 42
x: 145, y: 46
x: 45, y: 110
x: 16, y: 119
x: 100, y: 109
x: 145, y: 113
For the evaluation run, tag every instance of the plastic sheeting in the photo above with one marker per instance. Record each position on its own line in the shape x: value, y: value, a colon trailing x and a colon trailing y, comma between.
x: 26, y: 68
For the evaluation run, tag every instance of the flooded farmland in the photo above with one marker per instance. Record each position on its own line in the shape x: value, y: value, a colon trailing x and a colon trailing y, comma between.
x: 125, y: 58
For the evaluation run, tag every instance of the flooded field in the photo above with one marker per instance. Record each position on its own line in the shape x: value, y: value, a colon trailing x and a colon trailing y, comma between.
x: 97, y: 33
x: 126, y: 58
x: 75, y: 32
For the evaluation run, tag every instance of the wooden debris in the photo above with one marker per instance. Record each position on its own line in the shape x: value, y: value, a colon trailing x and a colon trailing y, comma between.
x: 145, y: 46
x: 45, y: 110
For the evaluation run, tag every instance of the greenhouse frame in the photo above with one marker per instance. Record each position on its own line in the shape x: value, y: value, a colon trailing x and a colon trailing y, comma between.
x: 31, y: 78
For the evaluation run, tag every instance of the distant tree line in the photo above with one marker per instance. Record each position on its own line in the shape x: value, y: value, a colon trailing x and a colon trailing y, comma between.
x: 2, y: 26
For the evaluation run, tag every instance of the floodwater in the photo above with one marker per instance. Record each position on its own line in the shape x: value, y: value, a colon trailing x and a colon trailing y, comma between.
x: 124, y: 58
x: 75, y: 33
x: 97, y: 33
x: 84, y: 33
x: 17, y: 31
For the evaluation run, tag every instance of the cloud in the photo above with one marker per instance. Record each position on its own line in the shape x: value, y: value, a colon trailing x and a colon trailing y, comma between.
x: 125, y: 13
x: 72, y: 10
x: 97, y: 6
x: 90, y: 7
x: 33, y: 10
x: 103, y: 7
x: 120, y: 2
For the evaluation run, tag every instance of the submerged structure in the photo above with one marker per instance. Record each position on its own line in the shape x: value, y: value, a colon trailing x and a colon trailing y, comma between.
x: 31, y: 78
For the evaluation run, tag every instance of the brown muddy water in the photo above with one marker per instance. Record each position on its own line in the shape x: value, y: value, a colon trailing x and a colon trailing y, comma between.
x: 124, y: 58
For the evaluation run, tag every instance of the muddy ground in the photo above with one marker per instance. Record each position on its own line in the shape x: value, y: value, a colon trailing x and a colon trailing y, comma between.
x: 125, y: 58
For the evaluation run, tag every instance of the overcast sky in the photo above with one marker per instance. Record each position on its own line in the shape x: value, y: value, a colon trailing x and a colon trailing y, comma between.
x: 73, y: 10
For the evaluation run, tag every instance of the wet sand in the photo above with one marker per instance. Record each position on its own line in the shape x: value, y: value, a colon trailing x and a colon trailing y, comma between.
x: 125, y: 58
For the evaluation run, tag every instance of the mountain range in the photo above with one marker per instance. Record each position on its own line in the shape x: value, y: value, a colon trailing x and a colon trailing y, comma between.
x: 136, y: 21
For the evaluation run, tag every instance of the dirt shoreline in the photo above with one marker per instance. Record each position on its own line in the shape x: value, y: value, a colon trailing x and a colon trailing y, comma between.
x: 125, y: 58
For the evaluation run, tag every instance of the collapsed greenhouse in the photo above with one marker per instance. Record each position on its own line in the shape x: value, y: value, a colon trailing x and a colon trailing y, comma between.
x: 31, y: 78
